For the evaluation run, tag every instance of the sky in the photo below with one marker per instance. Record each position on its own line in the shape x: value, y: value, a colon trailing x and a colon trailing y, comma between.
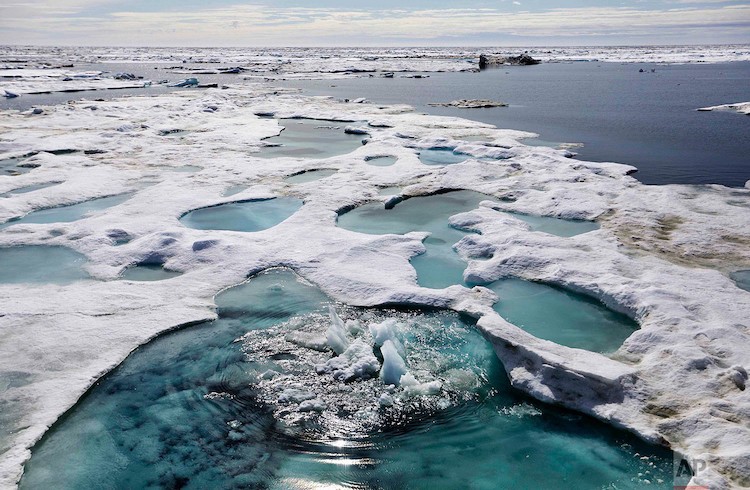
x: 373, y: 23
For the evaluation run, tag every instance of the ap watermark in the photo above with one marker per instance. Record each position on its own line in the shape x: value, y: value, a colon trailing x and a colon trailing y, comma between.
x: 685, y: 469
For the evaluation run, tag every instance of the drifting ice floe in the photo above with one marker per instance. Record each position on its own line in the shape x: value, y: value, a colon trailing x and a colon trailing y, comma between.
x: 23, y: 80
x: 388, y: 60
x: 663, y: 256
x: 740, y: 107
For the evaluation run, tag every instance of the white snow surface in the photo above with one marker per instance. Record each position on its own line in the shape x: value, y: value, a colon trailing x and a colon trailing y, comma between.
x: 662, y: 256
x: 330, y: 60
x: 24, y: 80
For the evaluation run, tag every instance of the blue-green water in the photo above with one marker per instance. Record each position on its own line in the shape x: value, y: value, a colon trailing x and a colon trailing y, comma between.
x: 381, y: 161
x: 544, y: 311
x: 561, y: 316
x: 742, y: 279
x: 309, y: 176
x: 41, y: 264
x: 557, y: 226
x: 28, y: 188
x: 440, y: 266
x: 64, y: 214
x: 307, y: 138
x: 389, y: 191
x: 147, y: 272
x: 243, y: 216
x: 9, y: 166
x: 196, y: 409
x: 234, y: 189
x: 441, y: 157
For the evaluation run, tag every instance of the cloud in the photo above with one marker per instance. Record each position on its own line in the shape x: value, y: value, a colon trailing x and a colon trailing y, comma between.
x: 699, y: 1
x: 262, y: 25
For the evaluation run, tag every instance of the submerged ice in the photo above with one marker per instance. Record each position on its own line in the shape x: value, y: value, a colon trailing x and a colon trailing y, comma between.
x: 72, y: 212
x: 247, y: 216
x: 40, y: 264
x: 306, y: 138
x: 561, y: 316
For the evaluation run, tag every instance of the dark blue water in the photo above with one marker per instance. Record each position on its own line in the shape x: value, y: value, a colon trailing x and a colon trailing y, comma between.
x: 643, y: 119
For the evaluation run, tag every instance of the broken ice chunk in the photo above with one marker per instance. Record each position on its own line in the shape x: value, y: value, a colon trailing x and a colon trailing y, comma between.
x: 188, y: 82
x: 356, y: 362
x: 387, y: 330
x: 383, y: 331
x: 295, y: 395
x: 385, y: 400
x: 314, y: 405
x: 394, y: 366
x: 412, y: 387
x: 356, y: 130
x: 336, y: 334
x: 308, y: 340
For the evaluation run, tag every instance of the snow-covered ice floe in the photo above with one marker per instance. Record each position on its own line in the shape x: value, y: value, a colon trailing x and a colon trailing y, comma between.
x: 23, y: 80
x: 337, y: 62
x: 740, y: 108
x: 663, y: 255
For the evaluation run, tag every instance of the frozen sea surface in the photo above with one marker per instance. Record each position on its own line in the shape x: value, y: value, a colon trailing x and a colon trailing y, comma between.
x: 321, y: 59
x: 662, y: 255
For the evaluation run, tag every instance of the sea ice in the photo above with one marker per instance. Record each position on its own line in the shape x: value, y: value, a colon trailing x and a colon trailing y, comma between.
x: 662, y: 255
x: 394, y: 366
x: 356, y: 362
x: 412, y: 387
x: 740, y: 108
x: 383, y: 331
x: 336, y: 334
x: 187, y: 82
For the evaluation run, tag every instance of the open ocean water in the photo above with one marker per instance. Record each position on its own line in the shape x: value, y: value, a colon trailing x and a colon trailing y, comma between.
x: 648, y: 120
